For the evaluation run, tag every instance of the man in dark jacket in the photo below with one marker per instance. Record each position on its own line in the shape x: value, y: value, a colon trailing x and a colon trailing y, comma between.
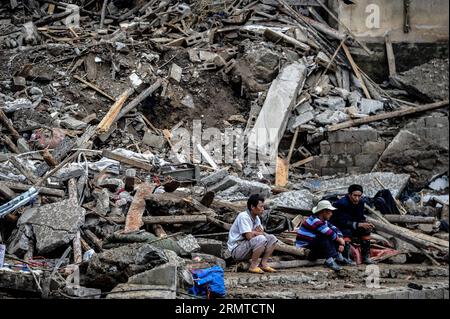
x: 349, y: 218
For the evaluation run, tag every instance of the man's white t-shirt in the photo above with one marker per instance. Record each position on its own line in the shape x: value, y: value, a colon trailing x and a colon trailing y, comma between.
x: 243, y: 223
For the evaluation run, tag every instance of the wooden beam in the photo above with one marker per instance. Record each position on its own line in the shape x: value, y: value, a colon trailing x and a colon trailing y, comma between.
x: 6, y: 192
x: 42, y: 190
x: 24, y: 170
x: 292, y: 250
x: 113, y: 112
x: 390, y: 56
x: 303, y: 162
x: 127, y: 160
x: 155, y: 220
x: 7, y: 123
x: 384, y: 116
x: 5, y: 139
x: 410, y: 219
x: 356, y: 70
x: 294, y: 141
x: 282, y: 172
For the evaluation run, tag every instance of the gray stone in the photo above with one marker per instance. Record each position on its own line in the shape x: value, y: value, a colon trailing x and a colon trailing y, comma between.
x: 304, y: 108
x: 374, y: 147
x: 214, y: 178
x: 188, y: 101
x: 210, y: 246
x: 300, y: 120
x: 331, y: 117
x: 243, y: 189
x: 278, y: 104
x: 395, y: 182
x: 325, y: 147
x: 301, y: 199
x: 153, y: 140
x: 176, y: 72
x: 337, y: 148
x: 188, y: 244
x: 366, y: 160
x: 333, y: 103
x: 164, y: 275
x: 56, y: 224
x: 22, y: 145
x: 367, y: 106
x: 72, y: 124
x: 19, y: 104
x: 116, y: 265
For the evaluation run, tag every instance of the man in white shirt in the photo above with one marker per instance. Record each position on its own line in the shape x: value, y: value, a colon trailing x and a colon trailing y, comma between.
x: 247, y: 240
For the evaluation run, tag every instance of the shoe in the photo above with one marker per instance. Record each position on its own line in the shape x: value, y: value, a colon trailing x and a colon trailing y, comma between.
x: 342, y: 260
x: 365, y: 252
x: 256, y: 270
x: 333, y: 265
x: 268, y: 269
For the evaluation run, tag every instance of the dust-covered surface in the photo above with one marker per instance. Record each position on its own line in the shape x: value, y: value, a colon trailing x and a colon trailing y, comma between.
x: 125, y: 149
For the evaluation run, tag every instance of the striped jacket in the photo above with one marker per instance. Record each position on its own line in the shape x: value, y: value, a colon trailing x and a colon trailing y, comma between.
x: 313, y: 226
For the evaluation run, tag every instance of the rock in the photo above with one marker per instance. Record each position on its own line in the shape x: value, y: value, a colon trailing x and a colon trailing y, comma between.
x: 188, y: 101
x: 439, y: 184
x: 333, y: 103
x: 153, y: 140
x: 214, y: 178
x: 164, y: 275
x: 117, y: 265
x: 19, y: 241
x: 407, y: 149
x: 243, y: 189
x: 302, y: 200
x: 56, y: 224
x: 394, y: 182
x: 22, y: 145
x: 19, y: 83
x: 30, y: 34
x: 433, y: 81
x: 296, y: 122
x: 369, y: 107
x: 72, y: 124
x: 19, y: 104
x: 175, y: 72
x: 329, y: 117
x: 210, y: 246
x: 188, y: 244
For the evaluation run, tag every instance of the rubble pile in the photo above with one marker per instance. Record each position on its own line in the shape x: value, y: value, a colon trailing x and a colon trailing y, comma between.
x: 96, y: 198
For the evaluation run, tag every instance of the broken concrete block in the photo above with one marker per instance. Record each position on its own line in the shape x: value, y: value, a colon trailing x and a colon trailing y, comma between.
x: 188, y: 244
x: 409, y: 153
x: 153, y: 140
x: 72, y: 124
x: 30, y: 34
x: 22, y: 145
x: 82, y: 292
x: 394, y: 182
x: 19, y: 104
x: 136, y: 81
x: 164, y: 275
x: 188, y: 101
x: 243, y: 189
x: 19, y: 83
x: 210, y: 246
x: 331, y: 117
x: 334, y: 103
x: 301, y: 200
x: 206, y: 261
x: 369, y: 107
x: 304, y: 108
x: 300, y: 120
x: 264, y: 138
x: 175, y: 72
x: 214, y: 178
x: 56, y: 224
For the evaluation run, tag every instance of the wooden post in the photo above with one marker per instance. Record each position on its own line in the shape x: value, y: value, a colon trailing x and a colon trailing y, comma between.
x: 390, y: 56
x: 5, y: 120
x: 356, y: 70
x: 77, y: 253
x: 113, y: 112
x: 24, y: 170
x: 282, y: 172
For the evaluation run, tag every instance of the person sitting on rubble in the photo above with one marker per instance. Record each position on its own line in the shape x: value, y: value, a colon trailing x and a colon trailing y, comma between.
x: 350, y: 219
x: 247, y: 239
x: 323, y: 239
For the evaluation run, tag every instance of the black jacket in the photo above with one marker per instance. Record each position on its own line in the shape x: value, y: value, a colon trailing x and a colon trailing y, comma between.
x: 348, y: 215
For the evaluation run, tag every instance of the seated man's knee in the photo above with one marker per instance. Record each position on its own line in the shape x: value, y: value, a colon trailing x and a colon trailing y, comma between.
x: 258, y: 241
x: 271, y: 239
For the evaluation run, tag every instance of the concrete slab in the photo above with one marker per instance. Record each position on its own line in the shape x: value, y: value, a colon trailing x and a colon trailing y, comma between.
x: 271, y: 123
x: 395, y: 182
x: 302, y: 199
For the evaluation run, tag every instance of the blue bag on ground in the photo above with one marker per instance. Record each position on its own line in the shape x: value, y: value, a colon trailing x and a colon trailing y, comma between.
x: 209, y: 282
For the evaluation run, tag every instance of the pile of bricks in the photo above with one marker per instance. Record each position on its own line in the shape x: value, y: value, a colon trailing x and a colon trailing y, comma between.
x: 348, y: 151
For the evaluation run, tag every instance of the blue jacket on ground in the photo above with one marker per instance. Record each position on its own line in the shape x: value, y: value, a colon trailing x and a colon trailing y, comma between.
x: 348, y: 215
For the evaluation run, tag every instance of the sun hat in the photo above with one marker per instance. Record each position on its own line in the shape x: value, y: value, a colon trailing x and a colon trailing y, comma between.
x: 323, y: 204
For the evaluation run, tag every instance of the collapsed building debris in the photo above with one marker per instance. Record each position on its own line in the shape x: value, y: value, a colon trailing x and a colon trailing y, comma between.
x: 121, y: 162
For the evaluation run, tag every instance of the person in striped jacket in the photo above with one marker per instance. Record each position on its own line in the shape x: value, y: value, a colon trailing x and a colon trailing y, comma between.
x: 322, y: 238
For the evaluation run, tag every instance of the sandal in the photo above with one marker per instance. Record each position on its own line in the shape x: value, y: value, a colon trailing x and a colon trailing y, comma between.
x: 256, y: 270
x: 268, y: 269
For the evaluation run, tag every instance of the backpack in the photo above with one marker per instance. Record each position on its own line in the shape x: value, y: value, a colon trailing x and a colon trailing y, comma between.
x: 208, y: 282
